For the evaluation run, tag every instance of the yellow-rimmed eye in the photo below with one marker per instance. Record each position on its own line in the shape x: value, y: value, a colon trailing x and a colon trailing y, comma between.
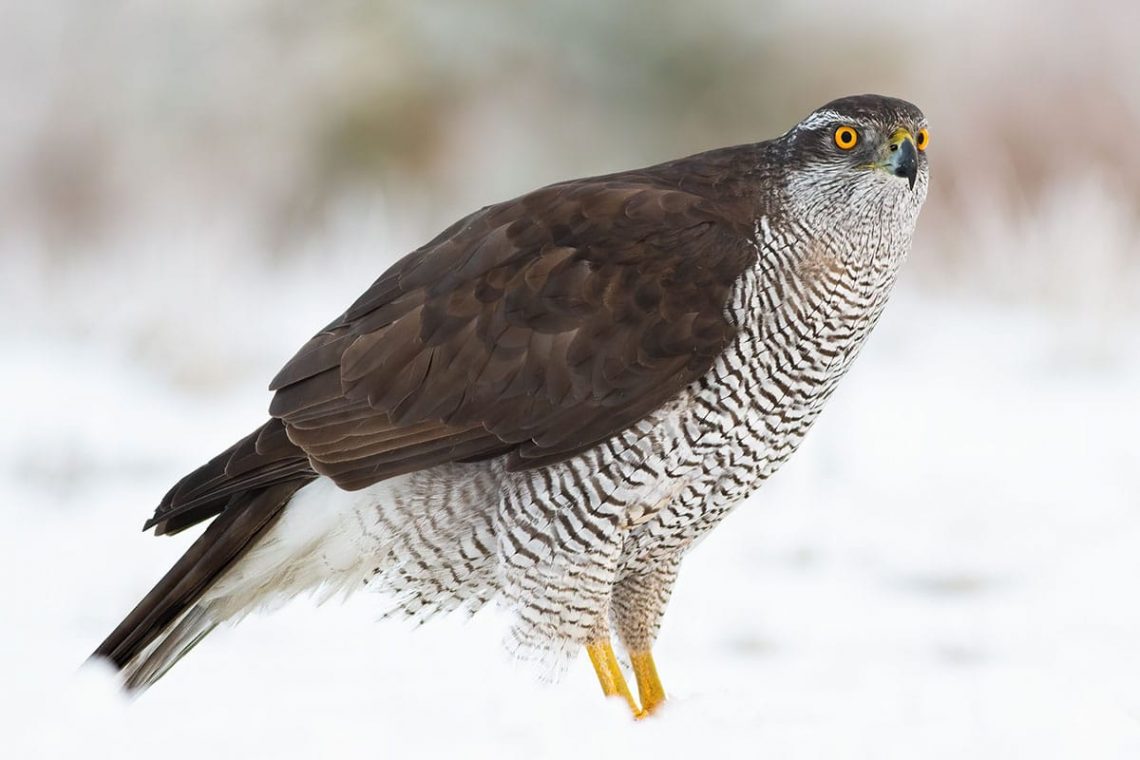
x: 846, y: 137
x: 922, y: 140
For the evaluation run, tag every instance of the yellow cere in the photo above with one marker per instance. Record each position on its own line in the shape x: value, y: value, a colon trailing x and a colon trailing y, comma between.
x: 846, y: 137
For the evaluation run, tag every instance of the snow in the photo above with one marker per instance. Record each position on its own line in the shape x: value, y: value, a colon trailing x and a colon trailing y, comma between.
x: 946, y: 569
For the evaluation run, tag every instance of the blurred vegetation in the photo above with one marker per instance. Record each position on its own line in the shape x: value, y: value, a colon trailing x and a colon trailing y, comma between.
x: 267, y: 116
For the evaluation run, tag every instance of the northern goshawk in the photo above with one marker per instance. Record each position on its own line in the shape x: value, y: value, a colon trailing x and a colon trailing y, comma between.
x: 557, y: 397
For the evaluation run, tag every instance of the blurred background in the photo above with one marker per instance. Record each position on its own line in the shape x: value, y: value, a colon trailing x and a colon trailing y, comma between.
x: 948, y: 567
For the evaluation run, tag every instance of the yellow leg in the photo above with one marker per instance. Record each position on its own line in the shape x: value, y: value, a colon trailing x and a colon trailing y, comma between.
x: 609, y: 673
x: 649, y: 686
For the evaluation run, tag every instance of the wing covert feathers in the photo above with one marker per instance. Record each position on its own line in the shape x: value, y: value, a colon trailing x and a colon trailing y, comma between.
x: 536, y: 328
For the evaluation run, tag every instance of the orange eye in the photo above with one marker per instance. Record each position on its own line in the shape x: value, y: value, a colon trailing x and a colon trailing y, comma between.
x: 922, y: 140
x: 846, y: 137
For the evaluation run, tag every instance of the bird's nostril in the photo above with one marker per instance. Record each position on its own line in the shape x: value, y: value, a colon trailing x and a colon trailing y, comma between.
x: 894, y: 147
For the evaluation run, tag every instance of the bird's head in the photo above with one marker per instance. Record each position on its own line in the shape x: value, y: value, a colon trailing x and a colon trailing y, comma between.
x: 859, y: 154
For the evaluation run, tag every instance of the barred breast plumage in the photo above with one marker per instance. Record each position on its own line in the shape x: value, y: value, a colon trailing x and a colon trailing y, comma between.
x: 549, y: 404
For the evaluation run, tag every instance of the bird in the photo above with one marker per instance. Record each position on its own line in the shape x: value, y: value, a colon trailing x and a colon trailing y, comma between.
x: 551, y: 402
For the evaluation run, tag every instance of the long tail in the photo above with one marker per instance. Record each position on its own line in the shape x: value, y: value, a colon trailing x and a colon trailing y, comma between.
x: 247, y: 487
x: 168, y: 622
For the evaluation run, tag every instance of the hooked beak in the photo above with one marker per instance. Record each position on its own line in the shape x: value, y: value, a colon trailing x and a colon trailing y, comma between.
x: 903, y: 161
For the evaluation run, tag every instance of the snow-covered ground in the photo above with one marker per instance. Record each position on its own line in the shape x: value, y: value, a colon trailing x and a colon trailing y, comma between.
x: 947, y: 568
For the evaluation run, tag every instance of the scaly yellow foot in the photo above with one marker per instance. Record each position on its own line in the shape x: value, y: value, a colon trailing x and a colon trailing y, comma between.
x: 649, y: 686
x: 609, y: 673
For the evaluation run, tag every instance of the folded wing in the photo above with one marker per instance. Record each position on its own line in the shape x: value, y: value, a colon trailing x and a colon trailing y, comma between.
x: 535, y: 329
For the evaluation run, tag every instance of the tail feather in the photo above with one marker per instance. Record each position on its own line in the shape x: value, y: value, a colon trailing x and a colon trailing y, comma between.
x: 162, y: 654
x: 167, y: 623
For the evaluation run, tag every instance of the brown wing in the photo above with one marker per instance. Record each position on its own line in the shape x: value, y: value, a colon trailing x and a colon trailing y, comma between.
x: 536, y: 328
x: 532, y: 329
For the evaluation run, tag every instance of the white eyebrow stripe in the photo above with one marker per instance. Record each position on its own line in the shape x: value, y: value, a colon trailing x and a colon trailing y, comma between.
x: 819, y: 118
